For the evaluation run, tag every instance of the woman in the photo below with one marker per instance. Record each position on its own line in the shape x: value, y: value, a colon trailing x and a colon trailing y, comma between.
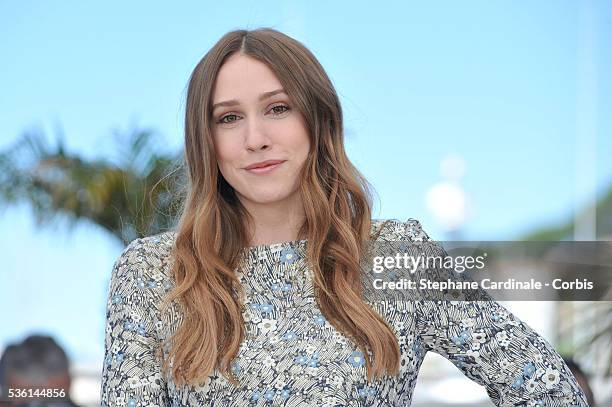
x: 256, y: 298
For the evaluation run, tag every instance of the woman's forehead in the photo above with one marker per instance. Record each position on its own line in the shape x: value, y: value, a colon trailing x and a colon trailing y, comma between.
x: 243, y: 77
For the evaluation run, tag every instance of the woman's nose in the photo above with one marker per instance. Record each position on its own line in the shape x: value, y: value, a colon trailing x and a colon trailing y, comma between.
x: 256, y: 137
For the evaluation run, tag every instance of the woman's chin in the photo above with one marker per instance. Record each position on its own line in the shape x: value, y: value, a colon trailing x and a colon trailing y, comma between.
x: 268, y: 199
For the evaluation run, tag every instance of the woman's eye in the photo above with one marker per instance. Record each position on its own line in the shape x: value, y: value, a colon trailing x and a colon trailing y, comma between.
x: 279, y: 109
x: 224, y: 121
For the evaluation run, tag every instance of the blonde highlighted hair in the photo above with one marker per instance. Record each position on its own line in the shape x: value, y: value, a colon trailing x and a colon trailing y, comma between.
x: 212, y: 230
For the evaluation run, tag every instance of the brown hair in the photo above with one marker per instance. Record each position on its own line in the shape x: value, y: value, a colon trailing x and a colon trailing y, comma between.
x: 212, y: 229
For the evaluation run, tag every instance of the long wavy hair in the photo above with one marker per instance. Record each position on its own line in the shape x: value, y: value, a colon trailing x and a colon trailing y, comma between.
x: 212, y: 229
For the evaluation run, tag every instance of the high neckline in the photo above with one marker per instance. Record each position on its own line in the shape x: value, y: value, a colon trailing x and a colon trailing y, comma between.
x: 260, y: 247
x: 285, y: 252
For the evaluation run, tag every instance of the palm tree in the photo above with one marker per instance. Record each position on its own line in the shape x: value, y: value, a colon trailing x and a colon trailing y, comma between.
x: 138, y: 195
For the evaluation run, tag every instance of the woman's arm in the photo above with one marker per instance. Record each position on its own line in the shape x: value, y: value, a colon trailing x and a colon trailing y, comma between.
x: 497, y: 350
x: 131, y: 374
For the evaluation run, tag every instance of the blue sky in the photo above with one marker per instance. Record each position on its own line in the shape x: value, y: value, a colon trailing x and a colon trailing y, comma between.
x: 520, y: 90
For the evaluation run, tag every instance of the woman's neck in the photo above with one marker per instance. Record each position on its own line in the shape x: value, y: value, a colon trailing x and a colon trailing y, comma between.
x: 275, y: 222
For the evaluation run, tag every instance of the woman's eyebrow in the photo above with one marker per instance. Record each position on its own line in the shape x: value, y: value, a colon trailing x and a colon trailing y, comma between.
x: 234, y: 102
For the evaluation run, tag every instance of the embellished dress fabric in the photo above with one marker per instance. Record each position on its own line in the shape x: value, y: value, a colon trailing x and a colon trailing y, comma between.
x: 292, y: 356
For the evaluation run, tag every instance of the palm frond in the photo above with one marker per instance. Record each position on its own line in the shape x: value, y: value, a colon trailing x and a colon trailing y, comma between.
x: 137, y: 197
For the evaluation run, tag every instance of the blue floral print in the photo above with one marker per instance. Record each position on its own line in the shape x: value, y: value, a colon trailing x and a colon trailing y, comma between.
x: 291, y: 356
x: 356, y: 359
x: 289, y: 336
x: 319, y: 320
x: 289, y: 255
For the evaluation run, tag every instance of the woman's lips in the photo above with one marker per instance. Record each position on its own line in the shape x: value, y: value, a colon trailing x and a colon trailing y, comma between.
x: 265, y: 170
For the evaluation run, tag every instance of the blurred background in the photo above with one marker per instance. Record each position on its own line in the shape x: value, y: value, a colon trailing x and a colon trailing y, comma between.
x: 484, y: 120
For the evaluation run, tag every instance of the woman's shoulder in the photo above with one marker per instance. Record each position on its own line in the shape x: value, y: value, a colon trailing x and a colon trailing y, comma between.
x: 391, y: 230
x: 139, y: 281
x: 148, y: 256
x: 155, y: 245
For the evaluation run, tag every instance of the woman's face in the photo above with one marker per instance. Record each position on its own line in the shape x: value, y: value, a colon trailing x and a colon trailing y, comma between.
x: 254, y: 122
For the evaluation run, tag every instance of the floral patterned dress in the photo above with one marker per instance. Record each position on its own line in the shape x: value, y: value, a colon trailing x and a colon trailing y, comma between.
x: 292, y: 356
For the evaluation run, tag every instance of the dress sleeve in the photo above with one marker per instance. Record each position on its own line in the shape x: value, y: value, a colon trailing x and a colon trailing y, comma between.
x: 131, y: 374
x: 495, y: 349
